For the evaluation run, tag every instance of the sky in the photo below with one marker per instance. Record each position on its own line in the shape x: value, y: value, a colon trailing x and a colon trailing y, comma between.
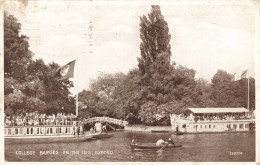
x: 105, y: 38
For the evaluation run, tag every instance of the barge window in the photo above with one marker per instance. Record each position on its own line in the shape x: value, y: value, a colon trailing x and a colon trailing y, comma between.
x: 205, y: 126
x: 213, y: 126
x: 28, y: 131
x: 50, y: 130
x: 31, y: 130
x: 21, y: 130
x: 246, y: 125
x: 209, y: 126
x: 241, y: 126
x: 200, y: 126
x: 16, y: 131
x: 234, y: 126
x: 9, y: 131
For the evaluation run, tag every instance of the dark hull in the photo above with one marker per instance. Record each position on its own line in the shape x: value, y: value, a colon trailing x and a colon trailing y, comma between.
x: 101, y: 136
x: 150, y: 146
x: 162, y: 131
x: 178, y: 133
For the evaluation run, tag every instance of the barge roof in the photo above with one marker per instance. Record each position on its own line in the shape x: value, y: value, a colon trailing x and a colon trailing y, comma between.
x: 218, y: 110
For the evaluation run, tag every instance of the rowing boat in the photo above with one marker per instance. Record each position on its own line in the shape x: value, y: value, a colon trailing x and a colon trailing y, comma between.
x: 151, y: 146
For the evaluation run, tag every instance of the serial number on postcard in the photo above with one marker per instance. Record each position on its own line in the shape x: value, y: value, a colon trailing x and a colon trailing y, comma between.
x: 235, y: 153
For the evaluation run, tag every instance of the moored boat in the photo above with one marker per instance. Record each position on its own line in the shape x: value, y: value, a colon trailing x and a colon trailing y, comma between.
x: 178, y: 133
x: 159, y: 131
x: 151, y: 146
x: 213, y: 120
x: 101, y: 135
x: 45, y: 134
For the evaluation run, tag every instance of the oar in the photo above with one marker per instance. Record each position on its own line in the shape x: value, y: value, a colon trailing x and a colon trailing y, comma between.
x: 133, y: 139
x: 162, y: 147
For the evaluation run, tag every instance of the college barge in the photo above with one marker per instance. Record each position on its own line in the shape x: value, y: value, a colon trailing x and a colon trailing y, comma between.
x: 201, y: 120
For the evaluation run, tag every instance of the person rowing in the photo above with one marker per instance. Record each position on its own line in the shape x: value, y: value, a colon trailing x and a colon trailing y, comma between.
x: 170, y: 142
x: 162, y: 143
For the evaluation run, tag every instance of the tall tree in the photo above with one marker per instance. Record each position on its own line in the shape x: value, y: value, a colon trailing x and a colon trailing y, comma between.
x: 154, y: 33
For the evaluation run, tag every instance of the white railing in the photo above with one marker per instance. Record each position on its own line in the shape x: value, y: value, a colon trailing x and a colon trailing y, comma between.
x: 106, y: 119
x: 211, y: 121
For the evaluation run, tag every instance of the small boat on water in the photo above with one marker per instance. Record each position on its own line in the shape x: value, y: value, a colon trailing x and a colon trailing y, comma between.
x: 151, y: 146
x: 101, y: 135
x: 159, y: 131
x: 178, y: 133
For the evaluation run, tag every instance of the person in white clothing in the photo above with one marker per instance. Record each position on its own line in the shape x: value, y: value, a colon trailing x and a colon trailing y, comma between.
x: 160, y: 143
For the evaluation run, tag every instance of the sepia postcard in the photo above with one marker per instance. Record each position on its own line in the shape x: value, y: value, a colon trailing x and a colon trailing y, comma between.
x: 129, y: 82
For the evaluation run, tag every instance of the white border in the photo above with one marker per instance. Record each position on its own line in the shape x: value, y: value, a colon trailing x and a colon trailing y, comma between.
x: 143, y: 2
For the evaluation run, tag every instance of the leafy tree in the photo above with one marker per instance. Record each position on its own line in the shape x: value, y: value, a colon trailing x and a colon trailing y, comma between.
x: 17, y: 58
x: 88, y: 102
x: 103, y: 96
x: 203, y: 90
x: 154, y: 33
x: 17, y: 55
x: 227, y: 93
x: 29, y: 84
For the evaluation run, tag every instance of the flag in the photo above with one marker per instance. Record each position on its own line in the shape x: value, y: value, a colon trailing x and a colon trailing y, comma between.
x: 233, y: 77
x: 239, y: 76
x: 244, y: 74
x: 66, y: 71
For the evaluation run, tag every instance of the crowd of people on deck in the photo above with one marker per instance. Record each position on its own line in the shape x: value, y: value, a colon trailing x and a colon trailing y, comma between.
x: 220, y: 117
x: 211, y: 117
x: 36, y: 119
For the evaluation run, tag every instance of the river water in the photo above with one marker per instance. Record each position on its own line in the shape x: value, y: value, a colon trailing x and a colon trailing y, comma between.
x: 228, y: 147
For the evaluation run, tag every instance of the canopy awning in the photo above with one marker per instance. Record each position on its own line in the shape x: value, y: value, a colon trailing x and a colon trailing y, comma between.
x: 218, y: 110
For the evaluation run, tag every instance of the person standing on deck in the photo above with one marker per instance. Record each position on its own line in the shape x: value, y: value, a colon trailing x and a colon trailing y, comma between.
x: 78, y: 130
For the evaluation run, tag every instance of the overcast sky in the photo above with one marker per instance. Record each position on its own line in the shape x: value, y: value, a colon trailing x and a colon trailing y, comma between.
x: 204, y: 37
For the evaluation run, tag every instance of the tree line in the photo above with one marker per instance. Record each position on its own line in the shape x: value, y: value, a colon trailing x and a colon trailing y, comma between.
x: 147, y: 94
x: 158, y: 87
x: 29, y: 85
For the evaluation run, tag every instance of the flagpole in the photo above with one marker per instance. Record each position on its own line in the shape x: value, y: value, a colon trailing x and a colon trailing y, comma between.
x: 248, y: 93
x: 77, y: 95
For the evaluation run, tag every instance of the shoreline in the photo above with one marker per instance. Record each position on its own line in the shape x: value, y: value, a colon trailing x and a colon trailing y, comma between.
x: 168, y: 129
x: 143, y: 128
